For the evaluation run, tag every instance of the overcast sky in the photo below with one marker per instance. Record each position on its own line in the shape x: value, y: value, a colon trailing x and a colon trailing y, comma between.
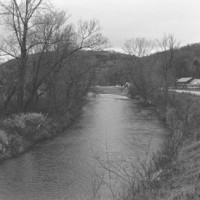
x: 125, y: 19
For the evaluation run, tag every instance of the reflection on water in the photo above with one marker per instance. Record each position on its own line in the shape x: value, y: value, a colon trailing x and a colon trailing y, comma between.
x: 111, y: 127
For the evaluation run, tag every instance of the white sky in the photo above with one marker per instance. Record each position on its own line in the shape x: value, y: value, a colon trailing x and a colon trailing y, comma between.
x: 125, y: 19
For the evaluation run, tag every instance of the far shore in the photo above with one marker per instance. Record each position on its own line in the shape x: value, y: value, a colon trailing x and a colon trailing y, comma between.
x: 118, y: 90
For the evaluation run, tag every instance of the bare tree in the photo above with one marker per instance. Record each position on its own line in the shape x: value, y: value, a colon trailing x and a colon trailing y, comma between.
x: 52, y: 58
x: 139, y: 47
x: 167, y: 47
x: 19, y: 17
x: 138, y: 70
x: 35, y: 28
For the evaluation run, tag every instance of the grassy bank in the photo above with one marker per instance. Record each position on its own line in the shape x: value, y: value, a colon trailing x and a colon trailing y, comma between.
x: 19, y: 132
x: 174, y: 172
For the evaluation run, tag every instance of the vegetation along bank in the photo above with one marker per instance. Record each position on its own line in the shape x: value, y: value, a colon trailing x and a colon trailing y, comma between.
x: 45, y: 72
x: 173, y: 172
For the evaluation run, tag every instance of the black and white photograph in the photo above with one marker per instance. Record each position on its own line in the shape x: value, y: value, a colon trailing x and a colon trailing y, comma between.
x: 99, y: 99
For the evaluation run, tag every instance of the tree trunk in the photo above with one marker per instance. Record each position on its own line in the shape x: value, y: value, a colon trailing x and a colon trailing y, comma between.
x: 20, y: 92
x: 9, y: 97
x: 21, y: 81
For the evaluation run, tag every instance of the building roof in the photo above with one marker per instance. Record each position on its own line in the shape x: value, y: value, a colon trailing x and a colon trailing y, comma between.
x: 184, y: 80
x: 195, y: 82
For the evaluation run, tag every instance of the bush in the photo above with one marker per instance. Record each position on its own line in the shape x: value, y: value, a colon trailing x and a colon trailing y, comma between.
x: 20, y: 131
x: 25, y: 124
x: 23, y: 119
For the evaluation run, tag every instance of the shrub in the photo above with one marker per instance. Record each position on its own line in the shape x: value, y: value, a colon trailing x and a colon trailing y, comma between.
x: 25, y: 124
x: 23, y: 119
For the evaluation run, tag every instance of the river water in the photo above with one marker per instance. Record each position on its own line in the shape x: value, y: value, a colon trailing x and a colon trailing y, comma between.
x: 112, y: 128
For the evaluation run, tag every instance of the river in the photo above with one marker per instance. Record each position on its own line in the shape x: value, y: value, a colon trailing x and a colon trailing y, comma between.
x: 111, y: 128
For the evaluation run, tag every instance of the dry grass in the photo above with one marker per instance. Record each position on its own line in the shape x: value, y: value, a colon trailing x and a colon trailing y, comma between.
x: 189, y: 164
x: 184, y: 185
x: 178, y: 163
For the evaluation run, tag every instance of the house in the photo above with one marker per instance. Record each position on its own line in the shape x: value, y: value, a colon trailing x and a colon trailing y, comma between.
x: 194, y: 84
x: 182, y: 83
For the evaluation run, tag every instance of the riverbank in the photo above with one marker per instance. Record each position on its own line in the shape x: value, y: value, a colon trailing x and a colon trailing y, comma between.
x: 19, y: 132
x: 118, y: 90
x: 173, y: 172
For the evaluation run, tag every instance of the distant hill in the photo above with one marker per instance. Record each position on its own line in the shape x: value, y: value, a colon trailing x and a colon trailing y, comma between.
x: 188, y: 63
x: 110, y: 65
